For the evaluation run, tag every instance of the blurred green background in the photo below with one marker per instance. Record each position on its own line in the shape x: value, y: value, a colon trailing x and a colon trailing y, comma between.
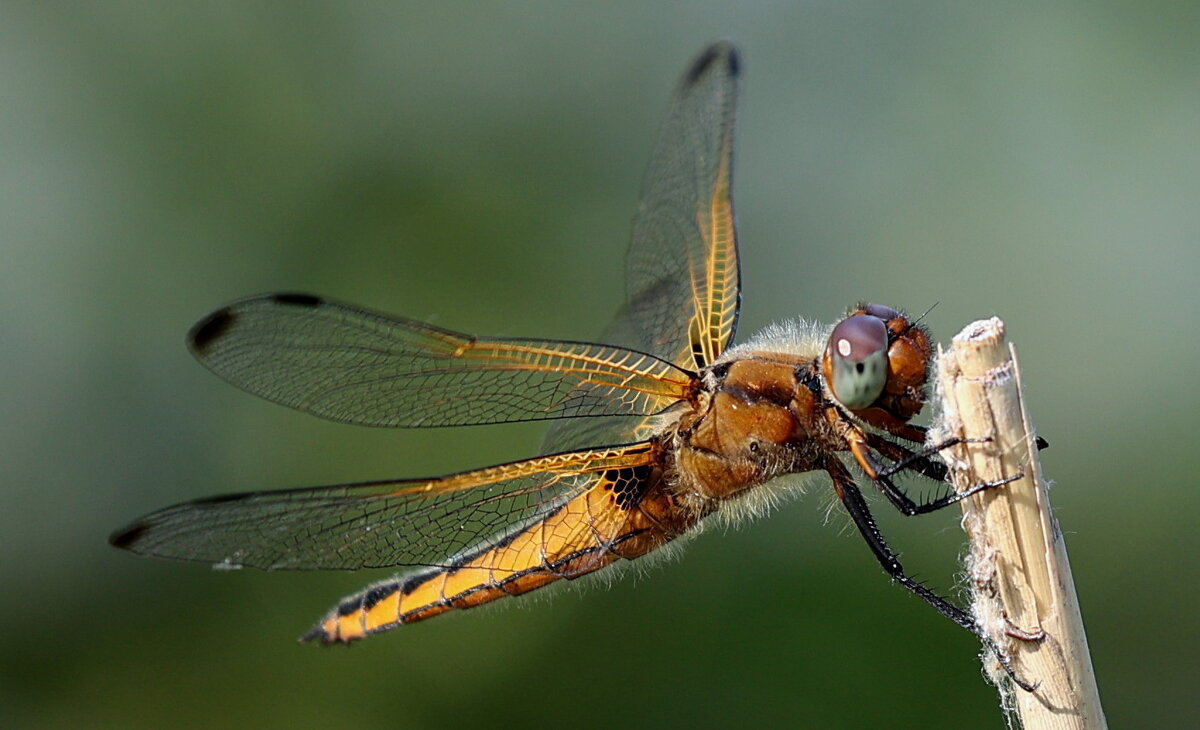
x: 477, y: 166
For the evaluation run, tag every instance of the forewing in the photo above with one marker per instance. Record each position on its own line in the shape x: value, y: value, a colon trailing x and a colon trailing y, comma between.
x: 354, y: 366
x: 431, y: 522
x: 682, y: 269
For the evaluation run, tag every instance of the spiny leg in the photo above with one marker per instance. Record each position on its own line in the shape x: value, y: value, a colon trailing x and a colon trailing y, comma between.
x: 917, y: 461
x: 918, y: 434
x: 906, y: 458
x: 850, y: 495
x: 848, y: 492
x: 860, y: 447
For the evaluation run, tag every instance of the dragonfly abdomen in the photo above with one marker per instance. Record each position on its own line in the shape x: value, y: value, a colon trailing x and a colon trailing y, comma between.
x: 588, y: 532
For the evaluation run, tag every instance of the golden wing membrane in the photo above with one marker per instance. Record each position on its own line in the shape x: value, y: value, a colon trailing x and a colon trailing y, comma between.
x: 354, y: 366
x: 682, y: 268
x: 609, y: 516
x: 421, y: 522
x: 478, y: 535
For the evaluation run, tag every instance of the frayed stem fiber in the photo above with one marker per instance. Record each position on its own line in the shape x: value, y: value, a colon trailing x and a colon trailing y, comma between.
x: 1023, y: 594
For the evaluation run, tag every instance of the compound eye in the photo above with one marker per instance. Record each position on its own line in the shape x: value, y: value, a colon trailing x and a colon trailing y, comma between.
x: 858, y: 353
x: 879, y: 310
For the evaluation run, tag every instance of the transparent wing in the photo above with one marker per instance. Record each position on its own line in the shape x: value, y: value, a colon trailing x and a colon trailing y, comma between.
x: 350, y: 365
x: 581, y: 433
x: 682, y: 268
x: 682, y: 281
x: 431, y: 522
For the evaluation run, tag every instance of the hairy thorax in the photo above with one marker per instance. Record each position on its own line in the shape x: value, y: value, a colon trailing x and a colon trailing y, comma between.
x: 758, y: 417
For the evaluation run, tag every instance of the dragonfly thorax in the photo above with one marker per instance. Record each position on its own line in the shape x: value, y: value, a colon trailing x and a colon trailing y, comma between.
x: 759, y: 418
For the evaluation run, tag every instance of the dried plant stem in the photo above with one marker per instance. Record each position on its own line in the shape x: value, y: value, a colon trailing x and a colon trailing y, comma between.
x: 1024, y: 596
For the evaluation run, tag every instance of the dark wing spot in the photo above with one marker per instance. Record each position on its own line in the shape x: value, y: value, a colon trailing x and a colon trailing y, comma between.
x: 210, y: 329
x: 701, y: 65
x: 127, y: 536
x: 711, y: 54
x: 219, y: 498
x: 734, y: 61
x: 628, y: 485
x: 299, y: 300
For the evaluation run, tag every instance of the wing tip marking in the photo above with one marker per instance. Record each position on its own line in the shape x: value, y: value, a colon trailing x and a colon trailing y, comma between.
x: 125, y: 537
x: 724, y: 50
x: 297, y: 299
x: 210, y: 329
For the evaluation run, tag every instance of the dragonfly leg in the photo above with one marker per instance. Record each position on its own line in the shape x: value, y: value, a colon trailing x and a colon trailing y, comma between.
x: 850, y: 495
x: 905, y: 458
x: 916, y: 461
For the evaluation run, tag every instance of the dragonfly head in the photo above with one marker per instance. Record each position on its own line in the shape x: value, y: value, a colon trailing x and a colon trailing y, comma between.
x: 876, y: 364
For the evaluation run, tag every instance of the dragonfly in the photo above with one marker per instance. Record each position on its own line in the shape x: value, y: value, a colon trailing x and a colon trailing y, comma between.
x: 661, y: 426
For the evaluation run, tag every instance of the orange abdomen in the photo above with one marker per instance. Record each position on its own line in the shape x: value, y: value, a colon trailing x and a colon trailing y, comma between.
x: 587, y: 532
